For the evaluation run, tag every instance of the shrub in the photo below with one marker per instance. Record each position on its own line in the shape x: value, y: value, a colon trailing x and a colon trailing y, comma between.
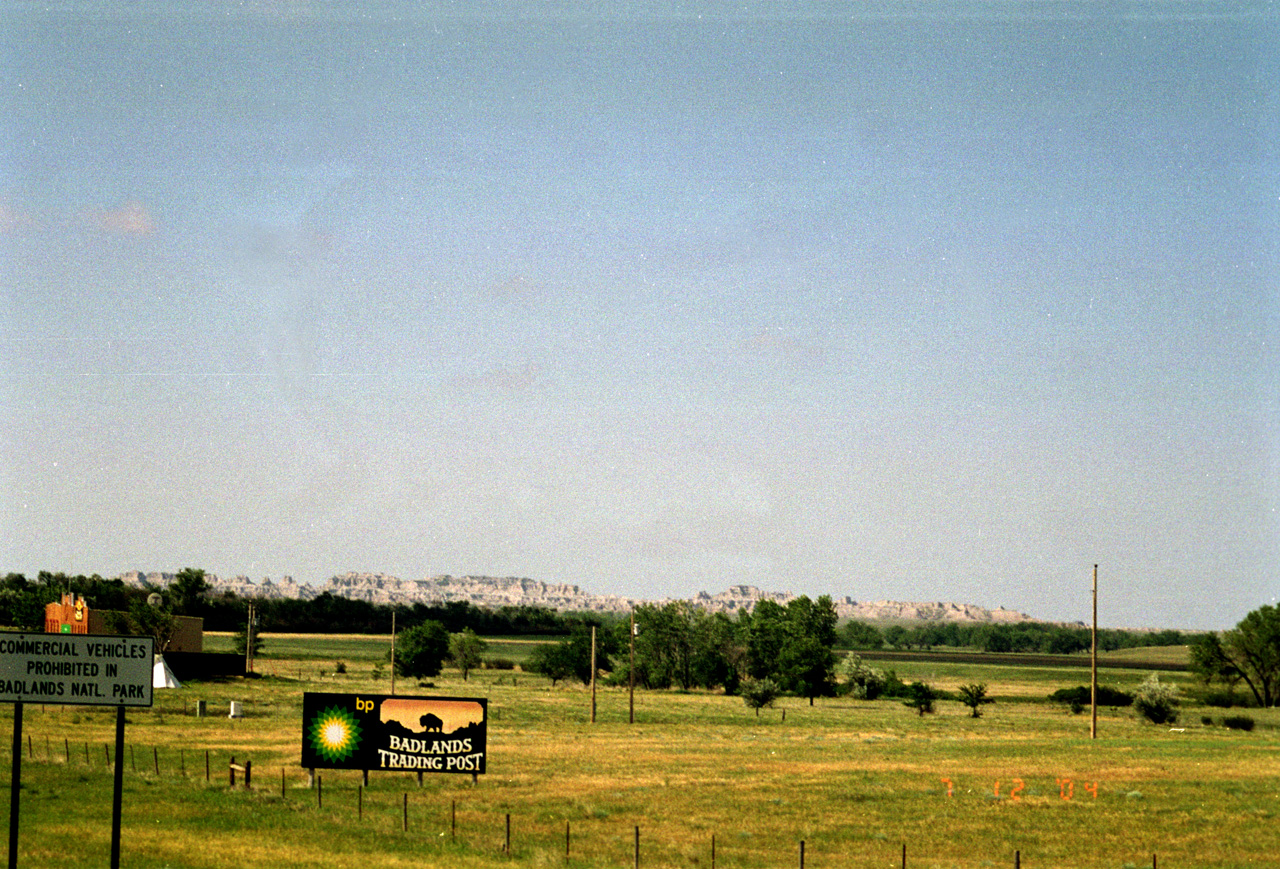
x: 863, y: 682
x: 1157, y: 702
x: 500, y: 664
x: 1238, y: 722
x: 340, y: 667
x: 893, y: 686
x: 1080, y: 696
x: 1223, y: 699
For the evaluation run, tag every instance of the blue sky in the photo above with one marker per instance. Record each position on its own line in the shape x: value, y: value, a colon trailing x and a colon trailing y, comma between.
x: 895, y: 301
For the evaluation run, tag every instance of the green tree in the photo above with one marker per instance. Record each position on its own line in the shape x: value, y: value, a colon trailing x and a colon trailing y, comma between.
x: 718, y: 653
x: 975, y: 696
x: 421, y: 650
x: 765, y: 633
x: 664, y: 643
x: 860, y: 635
x: 572, y: 655
x: 187, y: 591
x: 808, y: 659
x: 896, y: 636
x: 553, y: 660
x: 146, y: 619
x: 465, y: 649
x: 1249, y: 653
x: 241, y: 640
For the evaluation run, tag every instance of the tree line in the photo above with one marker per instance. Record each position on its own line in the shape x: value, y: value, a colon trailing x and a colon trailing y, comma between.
x: 1041, y: 637
x: 22, y: 603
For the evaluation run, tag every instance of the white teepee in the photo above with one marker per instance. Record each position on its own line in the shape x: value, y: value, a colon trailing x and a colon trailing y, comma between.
x: 162, y: 676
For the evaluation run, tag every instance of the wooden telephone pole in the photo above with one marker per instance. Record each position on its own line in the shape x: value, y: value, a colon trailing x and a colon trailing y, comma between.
x: 1093, y: 663
x: 593, y: 674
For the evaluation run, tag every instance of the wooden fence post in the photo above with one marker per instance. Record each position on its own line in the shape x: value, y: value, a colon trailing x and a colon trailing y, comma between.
x: 802, y: 854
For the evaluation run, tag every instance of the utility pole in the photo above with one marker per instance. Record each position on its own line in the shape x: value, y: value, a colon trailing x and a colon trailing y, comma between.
x: 631, y: 671
x: 248, y: 641
x: 593, y: 674
x: 1093, y: 663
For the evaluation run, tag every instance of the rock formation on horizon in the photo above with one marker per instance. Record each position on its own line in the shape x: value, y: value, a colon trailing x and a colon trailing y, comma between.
x: 493, y: 592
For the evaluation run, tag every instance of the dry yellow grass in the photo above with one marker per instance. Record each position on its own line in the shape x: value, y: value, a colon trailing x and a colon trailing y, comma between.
x: 854, y: 780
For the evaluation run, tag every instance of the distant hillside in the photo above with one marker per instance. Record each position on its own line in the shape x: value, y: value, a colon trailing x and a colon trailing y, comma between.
x: 492, y: 592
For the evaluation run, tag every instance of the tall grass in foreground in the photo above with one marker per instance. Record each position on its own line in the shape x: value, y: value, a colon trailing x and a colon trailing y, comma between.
x: 853, y: 780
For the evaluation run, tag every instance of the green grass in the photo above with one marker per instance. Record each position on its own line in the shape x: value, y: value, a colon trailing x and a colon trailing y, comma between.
x: 853, y: 780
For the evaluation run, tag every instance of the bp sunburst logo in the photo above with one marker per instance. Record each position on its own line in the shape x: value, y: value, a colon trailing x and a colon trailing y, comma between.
x: 335, y: 734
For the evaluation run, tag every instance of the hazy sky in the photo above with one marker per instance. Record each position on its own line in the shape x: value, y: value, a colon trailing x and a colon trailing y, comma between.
x: 915, y: 301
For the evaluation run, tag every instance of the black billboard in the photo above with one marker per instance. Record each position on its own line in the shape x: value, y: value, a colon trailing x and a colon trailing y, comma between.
x: 382, y: 732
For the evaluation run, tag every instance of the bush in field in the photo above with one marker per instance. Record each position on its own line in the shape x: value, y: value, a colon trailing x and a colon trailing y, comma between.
x: 1079, y: 697
x: 1238, y: 722
x: 862, y: 681
x: 500, y: 664
x: 1224, y: 699
x: 920, y: 697
x: 1157, y: 702
x: 893, y: 686
x: 759, y: 692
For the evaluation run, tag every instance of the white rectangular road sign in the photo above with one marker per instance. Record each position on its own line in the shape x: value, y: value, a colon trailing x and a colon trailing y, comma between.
x: 76, y: 669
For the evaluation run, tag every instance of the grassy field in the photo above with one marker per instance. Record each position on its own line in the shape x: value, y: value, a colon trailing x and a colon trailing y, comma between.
x: 854, y: 781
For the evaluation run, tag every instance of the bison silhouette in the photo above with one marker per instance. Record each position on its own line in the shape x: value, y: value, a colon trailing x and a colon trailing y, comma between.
x: 431, y: 722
